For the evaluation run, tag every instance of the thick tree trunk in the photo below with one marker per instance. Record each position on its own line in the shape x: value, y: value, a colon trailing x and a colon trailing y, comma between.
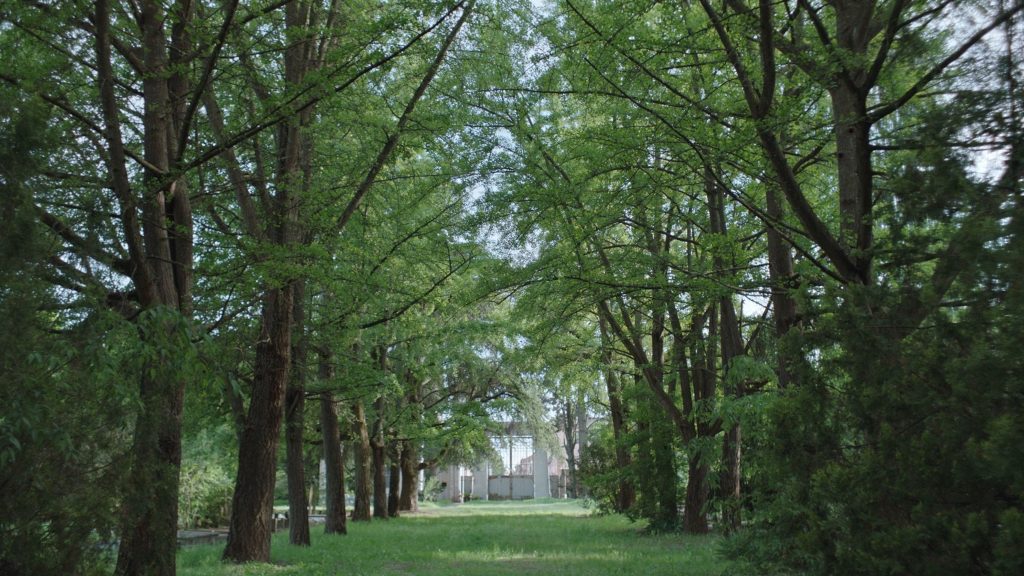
x: 647, y: 490
x: 623, y: 459
x: 692, y: 389
x: 409, y: 499
x: 695, y: 512
x: 695, y: 516
x: 334, y: 460
x: 730, y: 479
x: 852, y: 127
x: 395, y: 479
x: 150, y: 527
x: 161, y: 261
x: 380, y: 485
x: 665, y: 485
x: 364, y: 465
x: 252, y: 504
x: 853, y: 158
x: 251, y: 507
x: 295, y: 421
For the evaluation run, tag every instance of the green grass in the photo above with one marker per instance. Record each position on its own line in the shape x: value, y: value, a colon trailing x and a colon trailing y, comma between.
x: 480, y: 538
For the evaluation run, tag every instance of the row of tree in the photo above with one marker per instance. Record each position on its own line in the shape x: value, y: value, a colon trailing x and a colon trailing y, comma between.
x: 217, y: 211
x: 785, y: 230
x: 771, y: 247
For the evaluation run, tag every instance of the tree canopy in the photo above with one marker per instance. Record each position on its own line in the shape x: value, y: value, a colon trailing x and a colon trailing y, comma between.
x: 756, y: 263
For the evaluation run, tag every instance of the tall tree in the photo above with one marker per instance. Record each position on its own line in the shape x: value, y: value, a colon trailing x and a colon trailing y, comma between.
x: 249, y: 538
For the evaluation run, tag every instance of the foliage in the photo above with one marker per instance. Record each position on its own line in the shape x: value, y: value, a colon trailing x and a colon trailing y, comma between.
x: 65, y: 399
x: 775, y: 252
x: 598, y: 469
x: 207, y: 477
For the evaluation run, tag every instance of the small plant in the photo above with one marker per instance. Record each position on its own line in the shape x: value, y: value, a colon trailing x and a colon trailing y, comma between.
x: 432, y: 489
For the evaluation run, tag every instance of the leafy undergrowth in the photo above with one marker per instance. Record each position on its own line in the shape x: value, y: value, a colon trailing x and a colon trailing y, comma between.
x: 554, y: 537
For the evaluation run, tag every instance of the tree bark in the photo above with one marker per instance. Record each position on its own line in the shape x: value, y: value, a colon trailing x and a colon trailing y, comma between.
x: 380, y: 485
x: 250, y: 528
x: 568, y: 419
x: 781, y: 277
x: 378, y: 445
x: 695, y: 517
x: 161, y: 272
x: 150, y: 509
x: 364, y: 480
x: 702, y: 382
x: 647, y: 491
x: 581, y: 439
x: 731, y: 348
x: 251, y: 506
x: 395, y: 479
x: 665, y: 484
x: 334, y: 459
x: 409, y: 500
x: 853, y: 158
x: 852, y: 127
x: 695, y: 514
x: 295, y: 421
x: 667, y: 516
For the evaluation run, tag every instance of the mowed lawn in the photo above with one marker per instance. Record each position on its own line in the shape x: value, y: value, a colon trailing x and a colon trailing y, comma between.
x: 481, y: 538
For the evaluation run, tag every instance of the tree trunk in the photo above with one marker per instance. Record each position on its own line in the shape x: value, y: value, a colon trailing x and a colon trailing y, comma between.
x: 250, y: 529
x: 361, y: 510
x: 150, y: 527
x: 395, y: 479
x: 377, y: 445
x: 409, y: 500
x: 662, y: 429
x: 692, y: 389
x: 730, y: 479
x: 161, y: 261
x: 334, y: 459
x: 626, y: 494
x: 695, y: 517
x: 295, y: 420
x: 852, y: 127
x: 662, y: 433
x: 732, y: 348
x: 695, y: 514
x: 781, y: 277
x: 729, y: 490
x: 568, y: 419
x: 647, y: 491
x: 380, y: 485
x: 581, y: 439
x: 853, y: 157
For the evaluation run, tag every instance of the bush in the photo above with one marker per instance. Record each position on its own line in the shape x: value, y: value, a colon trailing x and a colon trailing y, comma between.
x: 598, y: 470
x: 207, y: 478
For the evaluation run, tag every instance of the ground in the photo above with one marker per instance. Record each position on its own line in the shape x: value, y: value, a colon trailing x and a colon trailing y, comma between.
x: 481, y: 538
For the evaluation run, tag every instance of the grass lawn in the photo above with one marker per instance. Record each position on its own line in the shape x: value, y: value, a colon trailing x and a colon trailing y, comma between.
x: 480, y: 538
